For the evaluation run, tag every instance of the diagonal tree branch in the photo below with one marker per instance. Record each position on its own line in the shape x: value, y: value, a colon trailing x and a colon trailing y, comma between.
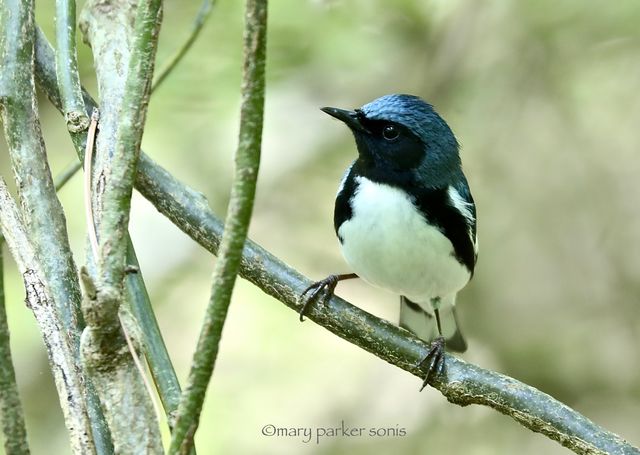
x: 59, y: 349
x: 247, y: 163
x: 46, y: 224
x: 11, y: 414
x: 161, y: 368
x: 66, y: 174
x: 462, y: 384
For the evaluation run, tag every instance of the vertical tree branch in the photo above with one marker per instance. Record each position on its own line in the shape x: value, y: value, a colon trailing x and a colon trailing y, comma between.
x: 75, y: 115
x: 105, y: 344
x: 108, y: 28
x: 67, y: 67
x: 112, y: 228
x: 61, y: 355
x: 159, y: 362
x: 236, y: 226
x: 46, y: 223
x: 13, y: 428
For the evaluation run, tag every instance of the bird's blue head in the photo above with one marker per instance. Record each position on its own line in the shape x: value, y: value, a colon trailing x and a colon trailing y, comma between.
x: 401, y: 135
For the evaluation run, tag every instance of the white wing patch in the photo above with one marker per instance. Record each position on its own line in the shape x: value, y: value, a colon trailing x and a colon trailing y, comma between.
x: 464, y: 208
x: 459, y: 203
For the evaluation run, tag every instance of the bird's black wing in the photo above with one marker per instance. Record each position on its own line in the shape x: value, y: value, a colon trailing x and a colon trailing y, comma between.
x: 455, y: 218
x: 342, y: 211
x: 463, y: 190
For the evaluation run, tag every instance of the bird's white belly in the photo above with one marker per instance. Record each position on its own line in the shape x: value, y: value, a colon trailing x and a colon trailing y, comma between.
x: 388, y: 243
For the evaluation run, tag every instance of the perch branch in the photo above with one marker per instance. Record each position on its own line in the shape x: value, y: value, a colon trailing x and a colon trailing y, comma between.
x: 247, y: 162
x: 462, y: 384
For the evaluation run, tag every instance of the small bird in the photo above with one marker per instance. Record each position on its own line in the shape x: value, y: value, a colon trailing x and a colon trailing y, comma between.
x: 405, y: 218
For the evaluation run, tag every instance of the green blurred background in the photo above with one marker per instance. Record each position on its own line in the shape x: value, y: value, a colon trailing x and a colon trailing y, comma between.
x: 543, y: 97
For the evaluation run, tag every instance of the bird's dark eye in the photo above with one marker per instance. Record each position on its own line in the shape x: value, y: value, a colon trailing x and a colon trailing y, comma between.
x: 390, y: 132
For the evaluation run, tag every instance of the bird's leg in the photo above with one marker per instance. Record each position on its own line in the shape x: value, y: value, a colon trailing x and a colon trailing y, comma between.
x: 435, y: 355
x: 437, y: 313
x: 326, y: 287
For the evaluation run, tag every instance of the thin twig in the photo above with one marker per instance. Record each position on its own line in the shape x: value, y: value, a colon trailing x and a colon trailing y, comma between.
x: 88, y: 204
x: 67, y: 66
x: 156, y: 354
x: 237, y: 225
x: 463, y: 383
x: 140, y: 367
x: 172, y: 62
x: 11, y: 414
x: 61, y: 179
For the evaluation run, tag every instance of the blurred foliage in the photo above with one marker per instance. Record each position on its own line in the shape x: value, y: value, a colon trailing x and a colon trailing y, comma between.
x: 543, y: 98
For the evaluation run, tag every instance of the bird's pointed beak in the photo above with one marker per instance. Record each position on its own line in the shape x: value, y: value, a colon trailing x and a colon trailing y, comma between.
x: 350, y: 118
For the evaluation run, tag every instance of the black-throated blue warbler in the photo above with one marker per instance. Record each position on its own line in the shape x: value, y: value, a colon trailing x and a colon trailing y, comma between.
x: 405, y: 217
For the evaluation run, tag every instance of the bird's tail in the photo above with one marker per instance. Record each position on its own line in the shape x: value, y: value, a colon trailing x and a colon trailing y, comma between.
x: 423, y: 324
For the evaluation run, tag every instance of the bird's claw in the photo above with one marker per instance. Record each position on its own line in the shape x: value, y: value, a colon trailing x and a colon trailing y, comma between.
x: 325, y: 287
x: 435, y: 360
